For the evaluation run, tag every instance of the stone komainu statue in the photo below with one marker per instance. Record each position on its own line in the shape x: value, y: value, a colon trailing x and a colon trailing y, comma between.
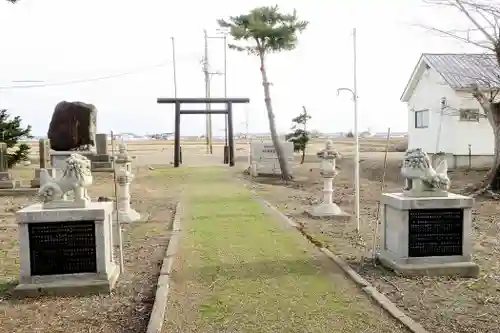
x: 76, y: 177
x: 73, y: 126
x: 420, y: 177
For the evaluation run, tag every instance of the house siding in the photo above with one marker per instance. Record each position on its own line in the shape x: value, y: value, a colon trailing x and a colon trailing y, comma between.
x: 455, y: 135
x: 478, y: 134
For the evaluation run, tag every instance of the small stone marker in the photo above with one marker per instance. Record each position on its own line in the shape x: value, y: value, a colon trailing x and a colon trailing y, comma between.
x: 425, y: 229
x: 264, y: 160
x: 44, y: 153
x: 327, y: 208
x: 6, y: 181
x: 102, y: 160
x: 3, y: 157
x: 45, y: 161
x: 101, y: 143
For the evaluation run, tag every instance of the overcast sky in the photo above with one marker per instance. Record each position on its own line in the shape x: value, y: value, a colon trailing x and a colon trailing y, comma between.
x: 57, y: 41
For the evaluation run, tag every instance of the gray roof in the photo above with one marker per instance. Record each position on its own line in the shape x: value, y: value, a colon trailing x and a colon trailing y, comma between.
x: 461, y: 71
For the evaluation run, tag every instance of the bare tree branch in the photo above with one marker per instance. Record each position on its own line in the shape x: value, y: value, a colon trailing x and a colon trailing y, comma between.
x: 453, y: 34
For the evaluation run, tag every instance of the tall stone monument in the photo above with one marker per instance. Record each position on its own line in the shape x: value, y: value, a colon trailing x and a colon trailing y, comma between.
x: 72, y: 128
x: 66, y: 245
x: 426, y: 230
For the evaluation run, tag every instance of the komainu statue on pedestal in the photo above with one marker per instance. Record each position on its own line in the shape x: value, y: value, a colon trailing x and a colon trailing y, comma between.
x: 421, y: 179
x: 76, y: 177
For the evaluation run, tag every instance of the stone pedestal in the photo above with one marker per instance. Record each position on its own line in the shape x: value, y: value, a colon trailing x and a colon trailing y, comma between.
x: 327, y: 208
x: 66, y: 251
x: 58, y: 158
x: 427, y: 236
x: 6, y: 180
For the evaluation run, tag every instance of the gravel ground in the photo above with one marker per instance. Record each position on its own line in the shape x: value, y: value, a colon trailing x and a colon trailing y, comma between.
x: 441, y: 305
x: 128, y: 307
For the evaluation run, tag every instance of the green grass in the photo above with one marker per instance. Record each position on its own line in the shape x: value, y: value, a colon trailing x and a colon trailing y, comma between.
x: 256, y: 275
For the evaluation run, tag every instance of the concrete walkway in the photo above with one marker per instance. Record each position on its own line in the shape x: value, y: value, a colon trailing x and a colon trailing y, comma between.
x: 241, y: 269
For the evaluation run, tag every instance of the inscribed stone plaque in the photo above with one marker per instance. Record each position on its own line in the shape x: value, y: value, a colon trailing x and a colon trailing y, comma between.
x: 435, y: 232
x: 62, y: 248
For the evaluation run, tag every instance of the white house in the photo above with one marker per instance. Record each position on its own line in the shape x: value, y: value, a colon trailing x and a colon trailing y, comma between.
x: 443, y: 116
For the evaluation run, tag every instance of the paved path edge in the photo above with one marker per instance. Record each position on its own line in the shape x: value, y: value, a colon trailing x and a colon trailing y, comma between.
x: 365, y: 286
x: 159, y: 310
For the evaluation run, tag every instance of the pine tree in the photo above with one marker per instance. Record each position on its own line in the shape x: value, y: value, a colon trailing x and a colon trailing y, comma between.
x: 300, y: 136
x: 10, y: 133
x: 266, y: 30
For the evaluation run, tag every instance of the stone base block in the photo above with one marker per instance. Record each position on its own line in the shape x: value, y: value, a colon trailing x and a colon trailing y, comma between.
x: 66, y: 204
x: 20, y: 191
x: 328, y: 211
x: 128, y: 216
x: 96, y: 166
x: 7, y: 184
x: 101, y: 158
x: 461, y: 269
x: 58, y: 158
x: 427, y: 235
x: 71, y: 285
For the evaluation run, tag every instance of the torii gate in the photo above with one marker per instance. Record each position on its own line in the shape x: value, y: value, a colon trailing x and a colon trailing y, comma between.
x: 178, y: 112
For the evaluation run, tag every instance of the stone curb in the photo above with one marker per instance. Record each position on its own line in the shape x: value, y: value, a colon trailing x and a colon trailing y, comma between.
x: 159, y: 310
x: 367, y: 288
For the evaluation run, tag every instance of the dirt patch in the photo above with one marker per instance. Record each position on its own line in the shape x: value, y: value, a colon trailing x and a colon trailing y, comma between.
x: 440, y: 304
x: 128, y: 306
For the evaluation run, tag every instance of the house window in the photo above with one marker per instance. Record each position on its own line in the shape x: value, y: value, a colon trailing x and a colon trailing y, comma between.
x: 422, y: 119
x: 469, y: 115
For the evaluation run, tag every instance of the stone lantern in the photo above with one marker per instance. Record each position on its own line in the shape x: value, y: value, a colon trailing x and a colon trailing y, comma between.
x: 328, y: 208
x: 124, y: 177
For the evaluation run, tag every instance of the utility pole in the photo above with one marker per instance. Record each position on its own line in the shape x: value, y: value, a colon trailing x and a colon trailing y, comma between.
x: 175, y: 67
x: 207, y: 95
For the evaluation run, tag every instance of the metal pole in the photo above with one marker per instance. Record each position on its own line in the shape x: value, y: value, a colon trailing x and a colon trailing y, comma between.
x: 118, y: 224
x: 356, y: 135
x: 249, y: 147
x: 175, y: 67
x: 207, y: 95
x: 225, y: 85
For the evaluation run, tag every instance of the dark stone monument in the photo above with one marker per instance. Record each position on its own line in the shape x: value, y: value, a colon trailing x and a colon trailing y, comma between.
x: 73, y: 126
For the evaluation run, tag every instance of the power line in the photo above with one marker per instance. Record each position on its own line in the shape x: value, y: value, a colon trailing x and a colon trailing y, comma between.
x: 64, y: 83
